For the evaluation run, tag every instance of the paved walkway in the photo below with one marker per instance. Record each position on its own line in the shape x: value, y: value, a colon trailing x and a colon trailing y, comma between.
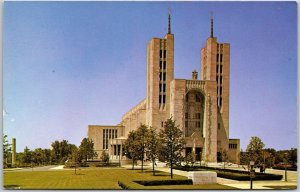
x: 291, y: 175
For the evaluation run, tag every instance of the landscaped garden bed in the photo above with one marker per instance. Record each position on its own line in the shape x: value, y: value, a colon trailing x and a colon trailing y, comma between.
x: 233, y: 174
x: 165, y: 182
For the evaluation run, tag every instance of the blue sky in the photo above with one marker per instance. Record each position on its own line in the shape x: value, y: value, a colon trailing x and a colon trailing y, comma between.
x: 68, y: 65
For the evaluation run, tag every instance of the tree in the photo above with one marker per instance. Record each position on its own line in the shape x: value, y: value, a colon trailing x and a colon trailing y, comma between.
x: 172, y: 143
x: 74, y: 159
x: 105, y: 157
x: 142, y: 133
x: 269, y: 155
x: 133, y: 147
x: 255, y: 148
x: 39, y: 156
x: 292, y: 156
x: 61, y: 151
x: 224, y: 156
x: 152, y: 146
x: 190, y: 159
x: 55, y: 151
x: 244, y: 158
x: 6, y: 150
x: 86, y: 149
x: 27, y: 156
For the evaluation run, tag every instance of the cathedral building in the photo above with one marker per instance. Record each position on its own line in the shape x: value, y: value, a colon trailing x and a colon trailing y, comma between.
x: 199, y: 107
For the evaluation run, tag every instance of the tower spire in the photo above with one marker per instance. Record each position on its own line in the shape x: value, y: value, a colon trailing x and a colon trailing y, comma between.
x: 169, y: 21
x: 211, y: 25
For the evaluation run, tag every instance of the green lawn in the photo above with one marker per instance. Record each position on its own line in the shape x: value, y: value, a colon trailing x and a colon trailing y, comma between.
x: 92, y: 178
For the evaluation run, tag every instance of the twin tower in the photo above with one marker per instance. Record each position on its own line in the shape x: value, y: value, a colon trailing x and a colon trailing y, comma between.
x: 199, y: 107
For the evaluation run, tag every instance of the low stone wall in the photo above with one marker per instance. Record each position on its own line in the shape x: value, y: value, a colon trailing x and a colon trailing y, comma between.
x: 203, y: 177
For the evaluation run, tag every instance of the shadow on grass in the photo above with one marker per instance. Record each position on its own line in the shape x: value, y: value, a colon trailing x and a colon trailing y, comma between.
x: 79, y: 174
x: 12, y: 186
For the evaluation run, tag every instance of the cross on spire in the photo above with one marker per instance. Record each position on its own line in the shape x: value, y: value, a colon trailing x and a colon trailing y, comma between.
x: 211, y: 24
x: 169, y: 21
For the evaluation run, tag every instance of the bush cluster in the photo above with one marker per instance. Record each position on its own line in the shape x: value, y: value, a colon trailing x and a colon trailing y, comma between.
x: 165, y: 182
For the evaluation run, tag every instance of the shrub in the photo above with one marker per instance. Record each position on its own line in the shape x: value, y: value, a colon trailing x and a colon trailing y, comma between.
x: 165, y: 182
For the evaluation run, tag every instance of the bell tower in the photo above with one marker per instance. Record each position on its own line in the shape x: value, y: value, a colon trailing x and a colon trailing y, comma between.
x: 160, y: 72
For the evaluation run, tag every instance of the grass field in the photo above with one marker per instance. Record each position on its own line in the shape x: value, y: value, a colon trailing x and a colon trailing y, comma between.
x: 92, y: 178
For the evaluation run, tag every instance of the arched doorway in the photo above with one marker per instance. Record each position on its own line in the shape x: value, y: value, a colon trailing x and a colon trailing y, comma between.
x: 194, y: 112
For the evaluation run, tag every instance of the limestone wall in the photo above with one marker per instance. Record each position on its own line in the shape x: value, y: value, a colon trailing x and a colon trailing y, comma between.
x: 234, y: 151
x: 134, y: 117
x: 95, y: 132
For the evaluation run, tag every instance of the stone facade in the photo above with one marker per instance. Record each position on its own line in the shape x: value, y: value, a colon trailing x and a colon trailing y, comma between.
x: 199, y: 107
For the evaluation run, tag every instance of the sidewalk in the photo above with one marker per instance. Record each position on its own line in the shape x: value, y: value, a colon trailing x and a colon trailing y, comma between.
x: 273, y: 184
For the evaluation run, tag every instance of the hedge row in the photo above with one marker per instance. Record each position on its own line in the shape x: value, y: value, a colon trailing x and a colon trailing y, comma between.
x: 288, y: 168
x: 233, y: 174
x: 245, y: 177
x: 108, y: 165
x: 165, y: 182
x: 123, y: 185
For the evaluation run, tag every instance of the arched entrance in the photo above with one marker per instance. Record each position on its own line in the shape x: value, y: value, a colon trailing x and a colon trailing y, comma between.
x: 194, y: 112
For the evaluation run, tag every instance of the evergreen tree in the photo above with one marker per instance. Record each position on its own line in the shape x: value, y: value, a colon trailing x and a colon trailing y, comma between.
x: 6, y: 150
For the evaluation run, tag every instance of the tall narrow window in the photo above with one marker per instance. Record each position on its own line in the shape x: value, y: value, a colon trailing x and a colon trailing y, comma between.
x: 221, y: 91
x: 217, y: 57
x: 217, y: 69
x: 160, y: 64
x: 160, y: 76
x: 198, y: 98
x: 165, y: 64
x: 103, y: 139
x: 164, y: 76
x: 164, y: 88
x: 221, y: 58
x: 221, y: 78
x: 221, y: 69
x: 220, y: 101
x: 160, y: 87
x: 159, y: 98
x: 164, y: 99
x: 186, y: 115
x: 160, y: 53
x: 217, y: 79
x: 165, y: 53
